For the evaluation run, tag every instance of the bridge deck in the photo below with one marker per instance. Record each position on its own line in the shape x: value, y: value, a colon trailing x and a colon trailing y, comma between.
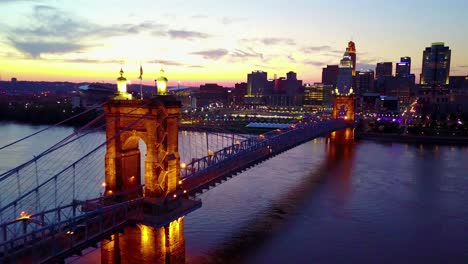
x: 202, y: 173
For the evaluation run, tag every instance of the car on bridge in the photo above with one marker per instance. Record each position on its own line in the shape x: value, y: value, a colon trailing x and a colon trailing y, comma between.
x: 77, y: 232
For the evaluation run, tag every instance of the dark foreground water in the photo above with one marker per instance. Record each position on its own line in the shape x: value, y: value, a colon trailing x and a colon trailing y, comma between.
x: 319, y: 203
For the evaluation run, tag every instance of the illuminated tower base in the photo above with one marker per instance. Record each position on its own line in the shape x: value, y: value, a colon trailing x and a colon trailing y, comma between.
x: 343, y: 107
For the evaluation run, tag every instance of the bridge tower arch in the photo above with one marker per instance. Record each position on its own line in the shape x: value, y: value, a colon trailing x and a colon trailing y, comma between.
x: 155, y: 121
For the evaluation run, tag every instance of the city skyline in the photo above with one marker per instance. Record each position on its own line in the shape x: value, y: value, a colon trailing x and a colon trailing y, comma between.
x: 218, y: 42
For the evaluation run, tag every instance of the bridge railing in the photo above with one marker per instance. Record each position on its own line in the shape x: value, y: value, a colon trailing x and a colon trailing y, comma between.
x: 59, y: 237
x: 26, y: 223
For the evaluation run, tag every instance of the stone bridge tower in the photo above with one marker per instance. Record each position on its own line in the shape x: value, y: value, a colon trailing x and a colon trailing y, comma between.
x: 155, y: 122
x: 344, y: 103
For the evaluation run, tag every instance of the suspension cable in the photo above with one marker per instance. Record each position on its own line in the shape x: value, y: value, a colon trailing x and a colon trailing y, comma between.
x: 73, y: 164
x: 57, y: 146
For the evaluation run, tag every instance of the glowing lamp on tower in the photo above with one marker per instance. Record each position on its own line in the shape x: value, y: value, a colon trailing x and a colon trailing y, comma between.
x: 161, y: 84
x: 122, y: 88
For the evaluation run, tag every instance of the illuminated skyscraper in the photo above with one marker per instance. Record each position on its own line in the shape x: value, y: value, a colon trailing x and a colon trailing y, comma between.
x: 403, y: 68
x: 317, y: 96
x: 436, y: 64
x: 344, y: 81
x: 352, y: 53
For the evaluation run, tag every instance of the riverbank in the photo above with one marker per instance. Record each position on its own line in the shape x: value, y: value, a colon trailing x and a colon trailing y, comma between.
x: 412, y: 139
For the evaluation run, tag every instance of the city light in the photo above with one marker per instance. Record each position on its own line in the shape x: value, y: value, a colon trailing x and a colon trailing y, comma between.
x: 24, y: 216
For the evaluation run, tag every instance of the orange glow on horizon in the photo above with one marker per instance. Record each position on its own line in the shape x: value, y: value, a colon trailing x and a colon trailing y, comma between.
x: 227, y: 75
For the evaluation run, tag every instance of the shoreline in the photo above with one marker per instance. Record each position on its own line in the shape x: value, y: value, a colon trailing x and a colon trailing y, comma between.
x: 412, y: 139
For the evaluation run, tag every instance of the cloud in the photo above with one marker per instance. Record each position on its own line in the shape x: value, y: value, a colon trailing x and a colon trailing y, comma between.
x: 237, y: 53
x: 462, y: 66
x: 365, y: 66
x: 199, y: 16
x: 17, y: 1
x: 314, y: 49
x: 51, y: 30
x: 278, y: 41
x: 262, y: 66
x: 271, y: 41
x: 211, y: 54
x: 291, y: 58
x: 34, y: 49
x: 231, y: 20
x: 91, y: 61
x: 333, y: 55
x: 48, y: 21
x: 315, y: 63
x: 54, y: 31
x: 186, y: 34
x: 166, y: 62
x: 367, y: 60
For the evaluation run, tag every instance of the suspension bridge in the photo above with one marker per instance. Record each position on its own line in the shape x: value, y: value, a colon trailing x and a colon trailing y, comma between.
x: 88, y: 185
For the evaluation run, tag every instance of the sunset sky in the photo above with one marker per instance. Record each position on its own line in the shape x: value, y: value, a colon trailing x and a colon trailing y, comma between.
x: 198, y: 41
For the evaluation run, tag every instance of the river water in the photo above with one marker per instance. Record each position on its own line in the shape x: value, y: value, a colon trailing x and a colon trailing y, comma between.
x: 320, y: 202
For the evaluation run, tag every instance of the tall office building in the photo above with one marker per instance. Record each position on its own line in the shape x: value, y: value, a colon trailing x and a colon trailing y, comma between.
x: 317, y: 95
x: 330, y: 74
x: 257, y: 83
x: 403, y: 68
x: 352, y: 53
x: 400, y: 87
x: 293, y: 85
x: 436, y: 64
x: 291, y: 75
x: 364, y: 82
x: 407, y: 60
x: 344, y: 81
x: 383, y: 69
x: 240, y: 90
